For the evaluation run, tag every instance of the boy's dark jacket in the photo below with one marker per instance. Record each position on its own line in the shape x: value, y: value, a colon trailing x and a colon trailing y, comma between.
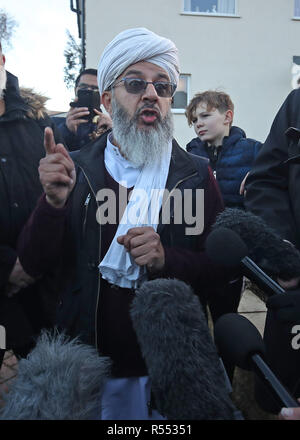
x: 235, y: 159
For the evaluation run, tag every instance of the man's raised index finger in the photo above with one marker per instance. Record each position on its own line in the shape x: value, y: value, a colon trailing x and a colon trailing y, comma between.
x: 49, y: 141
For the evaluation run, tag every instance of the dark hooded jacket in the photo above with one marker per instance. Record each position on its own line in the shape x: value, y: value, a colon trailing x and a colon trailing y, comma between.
x: 273, y: 184
x: 21, y: 148
x: 273, y: 194
x: 230, y: 162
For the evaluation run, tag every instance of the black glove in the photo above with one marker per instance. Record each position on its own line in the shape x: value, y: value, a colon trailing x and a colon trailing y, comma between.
x: 286, y: 306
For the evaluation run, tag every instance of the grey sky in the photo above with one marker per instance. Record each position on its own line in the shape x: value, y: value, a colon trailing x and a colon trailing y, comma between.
x: 36, y: 56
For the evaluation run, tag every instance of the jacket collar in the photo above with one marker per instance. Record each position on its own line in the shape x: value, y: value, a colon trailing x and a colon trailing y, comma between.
x: 181, y: 166
x: 15, y: 107
x: 91, y: 160
x: 235, y: 134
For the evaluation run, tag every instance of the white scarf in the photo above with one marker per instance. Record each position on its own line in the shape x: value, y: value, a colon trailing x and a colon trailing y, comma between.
x: 118, y: 267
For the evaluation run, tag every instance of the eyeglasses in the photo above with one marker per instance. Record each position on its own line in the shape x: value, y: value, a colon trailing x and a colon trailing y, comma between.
x: 137, y: 85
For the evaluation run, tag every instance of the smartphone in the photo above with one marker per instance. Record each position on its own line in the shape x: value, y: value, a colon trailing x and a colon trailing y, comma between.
x: 90, y: 99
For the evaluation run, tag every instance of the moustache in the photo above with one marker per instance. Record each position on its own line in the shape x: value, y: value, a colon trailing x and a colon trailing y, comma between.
x: 148, y: 107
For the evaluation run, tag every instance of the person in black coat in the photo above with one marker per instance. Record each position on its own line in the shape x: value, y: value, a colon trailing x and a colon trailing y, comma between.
x: 22, y: 122
x: 272, y: 192
x: 273, y: 183
x: 83, y: 123
x: 136, y: 90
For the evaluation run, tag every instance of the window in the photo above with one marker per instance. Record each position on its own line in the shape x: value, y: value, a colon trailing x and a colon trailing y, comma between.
x: 297, y: 9
x: 219, y: 7
x: 296, y: 72
x: 180, y: 99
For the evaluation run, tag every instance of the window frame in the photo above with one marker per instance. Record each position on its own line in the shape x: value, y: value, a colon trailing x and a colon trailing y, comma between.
x: 211, y: 14
x: 181, y: 111
x: 295, y: 17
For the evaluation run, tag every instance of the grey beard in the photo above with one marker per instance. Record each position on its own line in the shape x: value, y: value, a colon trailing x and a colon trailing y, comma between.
x: 140, y: 147
x: 2, y: 81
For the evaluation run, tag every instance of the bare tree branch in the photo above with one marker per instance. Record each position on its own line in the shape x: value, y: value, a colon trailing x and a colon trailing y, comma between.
x: 72, y: 54
x: 7, y: 27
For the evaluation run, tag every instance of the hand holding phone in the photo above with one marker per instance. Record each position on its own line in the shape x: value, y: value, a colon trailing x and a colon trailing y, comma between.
x: 82, y: 108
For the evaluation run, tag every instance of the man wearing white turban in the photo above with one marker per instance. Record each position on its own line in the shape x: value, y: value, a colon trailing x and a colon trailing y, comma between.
x: 100, y: 247
x: 132, y: 46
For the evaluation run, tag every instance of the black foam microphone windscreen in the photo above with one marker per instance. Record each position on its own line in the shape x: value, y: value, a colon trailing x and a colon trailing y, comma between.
x: 225, y: 247
x: 61, y: 379
x: 187, y: 378
x: 237, y: 340
x: 266, y: 248
x: 240, y: 342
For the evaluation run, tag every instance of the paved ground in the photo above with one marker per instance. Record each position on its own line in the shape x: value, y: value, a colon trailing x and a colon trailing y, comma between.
x: 250, y: 306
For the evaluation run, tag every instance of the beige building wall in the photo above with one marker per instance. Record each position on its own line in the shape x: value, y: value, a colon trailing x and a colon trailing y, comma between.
x: 248, y: 56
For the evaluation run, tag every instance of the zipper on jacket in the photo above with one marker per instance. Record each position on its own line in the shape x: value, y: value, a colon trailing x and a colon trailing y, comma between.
x: 99, y: 276
x: 86, y: 207
x: 173, y: 189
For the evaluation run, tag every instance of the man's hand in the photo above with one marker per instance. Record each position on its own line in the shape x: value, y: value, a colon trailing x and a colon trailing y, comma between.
x: 57, y: 171
x: 290, y: 413
x: 18, y: 279
x: 145, y: 246
x: 74, y: 116
x: 104, y: 122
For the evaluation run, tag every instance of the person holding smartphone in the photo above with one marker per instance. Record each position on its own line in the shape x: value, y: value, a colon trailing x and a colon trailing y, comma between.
x: 84, y: 121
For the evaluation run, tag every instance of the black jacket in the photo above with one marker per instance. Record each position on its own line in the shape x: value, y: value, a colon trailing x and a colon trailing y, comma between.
x: 21, y: 148
x: 273, y: 193
x: 77, y: 236
x: 273, y: 186
x: 185, y: 172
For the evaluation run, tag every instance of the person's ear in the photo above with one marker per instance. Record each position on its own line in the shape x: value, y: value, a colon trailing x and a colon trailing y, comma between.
x: 228, y: 117
x: 3, y: 59
x: 106, y: 101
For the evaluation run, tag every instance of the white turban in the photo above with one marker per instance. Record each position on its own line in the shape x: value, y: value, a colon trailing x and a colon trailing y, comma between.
x: 132, y: 46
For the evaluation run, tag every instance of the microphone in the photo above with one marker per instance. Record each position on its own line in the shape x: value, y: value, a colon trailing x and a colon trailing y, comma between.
x: 239, y: 342
x: 226, y: 248
x: 61, y: 379
x: 265, y: 247
x: 186, y: 373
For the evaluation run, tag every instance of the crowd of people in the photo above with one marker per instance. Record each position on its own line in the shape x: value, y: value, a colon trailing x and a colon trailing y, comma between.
x: 76, y: 237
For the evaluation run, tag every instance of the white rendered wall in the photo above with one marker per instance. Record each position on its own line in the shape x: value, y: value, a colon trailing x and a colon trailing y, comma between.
x: 249, y: 56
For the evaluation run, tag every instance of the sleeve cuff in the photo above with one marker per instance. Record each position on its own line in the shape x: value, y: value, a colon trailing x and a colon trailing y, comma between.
x: 49, y: 210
